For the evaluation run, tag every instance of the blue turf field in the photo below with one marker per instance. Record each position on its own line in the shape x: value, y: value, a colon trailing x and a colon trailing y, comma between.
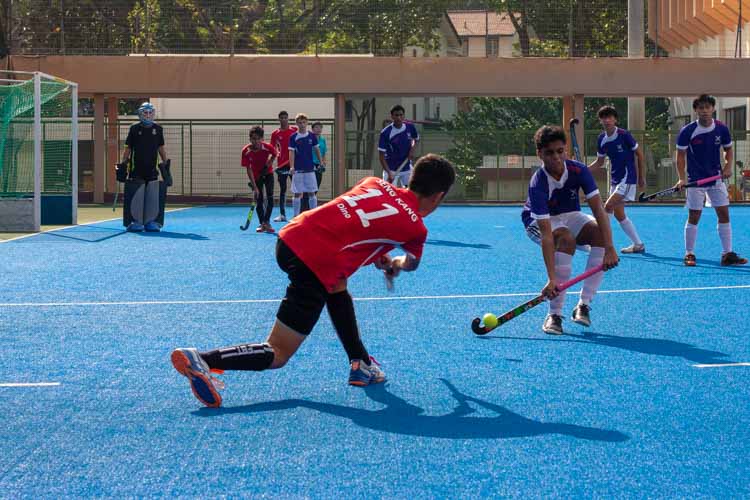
x: 616, y: 410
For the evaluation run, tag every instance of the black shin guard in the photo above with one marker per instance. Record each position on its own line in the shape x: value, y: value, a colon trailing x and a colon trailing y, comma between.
x: 341, y: 310
x: 253, y: 357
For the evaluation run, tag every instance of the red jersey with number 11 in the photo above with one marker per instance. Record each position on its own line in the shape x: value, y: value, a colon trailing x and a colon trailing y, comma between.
x: 356, y: 229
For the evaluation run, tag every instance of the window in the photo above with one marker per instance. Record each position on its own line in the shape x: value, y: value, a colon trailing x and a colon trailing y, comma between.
x: 736, y: 118
x: 414, y: 112
x: 681, y: 121
x: 349, y: 111
x: 493, y: 47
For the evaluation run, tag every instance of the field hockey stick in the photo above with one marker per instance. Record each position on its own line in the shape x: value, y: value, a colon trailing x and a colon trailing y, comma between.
x: 117, y: 193
x: 252, y: 210
x: 480, y: 329
x: 644, y: 198
x: 574, y: 139
x: 399, y: 169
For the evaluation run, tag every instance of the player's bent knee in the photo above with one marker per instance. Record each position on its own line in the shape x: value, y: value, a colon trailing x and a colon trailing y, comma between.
x: 565, y: 242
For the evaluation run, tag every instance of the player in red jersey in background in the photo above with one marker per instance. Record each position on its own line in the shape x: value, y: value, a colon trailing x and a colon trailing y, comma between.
x: 257, y: 158
x: 356, y: 229
x: 280, y: 141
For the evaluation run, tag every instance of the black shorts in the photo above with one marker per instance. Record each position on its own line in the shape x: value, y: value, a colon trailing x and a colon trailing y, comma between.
x: 283, y: 171
x: 305, y: 295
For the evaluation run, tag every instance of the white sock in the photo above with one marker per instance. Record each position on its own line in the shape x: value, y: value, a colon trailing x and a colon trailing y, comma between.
x: 312, y: 201
x: 629, y: 228
x: 725, y: 235
x: 592, y: 283
x: 297, y: 204
x: 691, y: 234
x: 563, y: 269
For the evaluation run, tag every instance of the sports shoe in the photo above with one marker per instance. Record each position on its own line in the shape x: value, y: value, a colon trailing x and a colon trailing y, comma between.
x: 689, y: 260
x: 280, y: 218
x: 269, y: 229
x: 260, y: 229
x: 732, y: 259
x: 634, y: 249
x: 153, y: 227
x: 581, y: 315
x: 553, y: 324
x: 361, y: 374
x: 206, y: 388
x: 135, y: 227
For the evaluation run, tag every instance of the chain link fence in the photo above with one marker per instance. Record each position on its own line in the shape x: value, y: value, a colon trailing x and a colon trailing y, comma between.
x: 205, y: 158
x: 511, y: 28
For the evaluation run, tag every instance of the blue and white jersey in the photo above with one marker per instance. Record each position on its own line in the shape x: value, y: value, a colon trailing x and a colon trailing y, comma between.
x: 620, y: 148
x: 549, y: 197
x: 396, y: 144
x: 303, y: 146
x: 703, y: 146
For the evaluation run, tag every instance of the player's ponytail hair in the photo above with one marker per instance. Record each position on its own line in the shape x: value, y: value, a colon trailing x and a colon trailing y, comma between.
x: 432, y: 174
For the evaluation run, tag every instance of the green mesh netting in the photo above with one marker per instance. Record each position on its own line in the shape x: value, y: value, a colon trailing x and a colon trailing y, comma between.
x: 17, y: 138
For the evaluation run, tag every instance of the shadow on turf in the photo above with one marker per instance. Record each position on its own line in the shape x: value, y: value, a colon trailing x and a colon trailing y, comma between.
x: 678, y: 262
x: 93, y: 236
x: 457, y: 244
x: 176, y: 236
x: 651, y: 346
x: 401, y: 417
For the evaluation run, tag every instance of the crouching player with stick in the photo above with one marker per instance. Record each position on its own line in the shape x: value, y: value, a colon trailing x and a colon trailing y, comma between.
x: 354, y: 230
x: 553, y: 219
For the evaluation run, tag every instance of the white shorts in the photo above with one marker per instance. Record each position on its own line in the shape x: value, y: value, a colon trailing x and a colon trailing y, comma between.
x: 717, y: 195
x: 304, y: 182
x: 402, y: 179
x: 627, y: 191
x: 573, y: 221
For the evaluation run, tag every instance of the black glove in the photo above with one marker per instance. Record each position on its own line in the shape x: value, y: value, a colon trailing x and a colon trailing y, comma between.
x: 165, y: 173
x: 121, y: 172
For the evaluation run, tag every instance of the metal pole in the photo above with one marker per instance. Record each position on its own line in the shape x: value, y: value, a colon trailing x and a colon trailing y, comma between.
x: 656, y: 23
x: 190, y: 146
x: 74, y: 154
x: 570, y: 30
x: 148, y: 28
x: 62, y: 26
x: 182, y: 157
x: 37, y: 152
x: 231, y: 31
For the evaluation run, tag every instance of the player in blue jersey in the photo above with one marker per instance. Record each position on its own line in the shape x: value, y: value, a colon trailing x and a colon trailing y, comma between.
x: 397, y: 144
x: 303, y: 144
x: 627, y: 172
x: 553, y: 219
x: 705, y: 145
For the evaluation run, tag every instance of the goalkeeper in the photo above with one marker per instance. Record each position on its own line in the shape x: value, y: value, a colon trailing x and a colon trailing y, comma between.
x: 144, y: 194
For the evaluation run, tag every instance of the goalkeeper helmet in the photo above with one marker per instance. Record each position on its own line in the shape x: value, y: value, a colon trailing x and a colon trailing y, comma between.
x: 147, y: 113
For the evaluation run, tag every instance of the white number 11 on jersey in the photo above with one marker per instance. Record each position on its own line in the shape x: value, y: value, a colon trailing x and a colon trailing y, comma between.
x: 366, y: 217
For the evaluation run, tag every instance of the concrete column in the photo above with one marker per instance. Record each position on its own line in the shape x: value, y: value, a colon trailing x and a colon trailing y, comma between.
x: 99, y: 148
x: 339, y: 127
x: 636, y: 105
x: 113, y: 143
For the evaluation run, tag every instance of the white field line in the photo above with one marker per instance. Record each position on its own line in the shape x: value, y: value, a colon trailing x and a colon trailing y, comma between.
x: 721, y: 365
x: 80, y: 225
x: 361, y: 299
x: 29, y: 384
